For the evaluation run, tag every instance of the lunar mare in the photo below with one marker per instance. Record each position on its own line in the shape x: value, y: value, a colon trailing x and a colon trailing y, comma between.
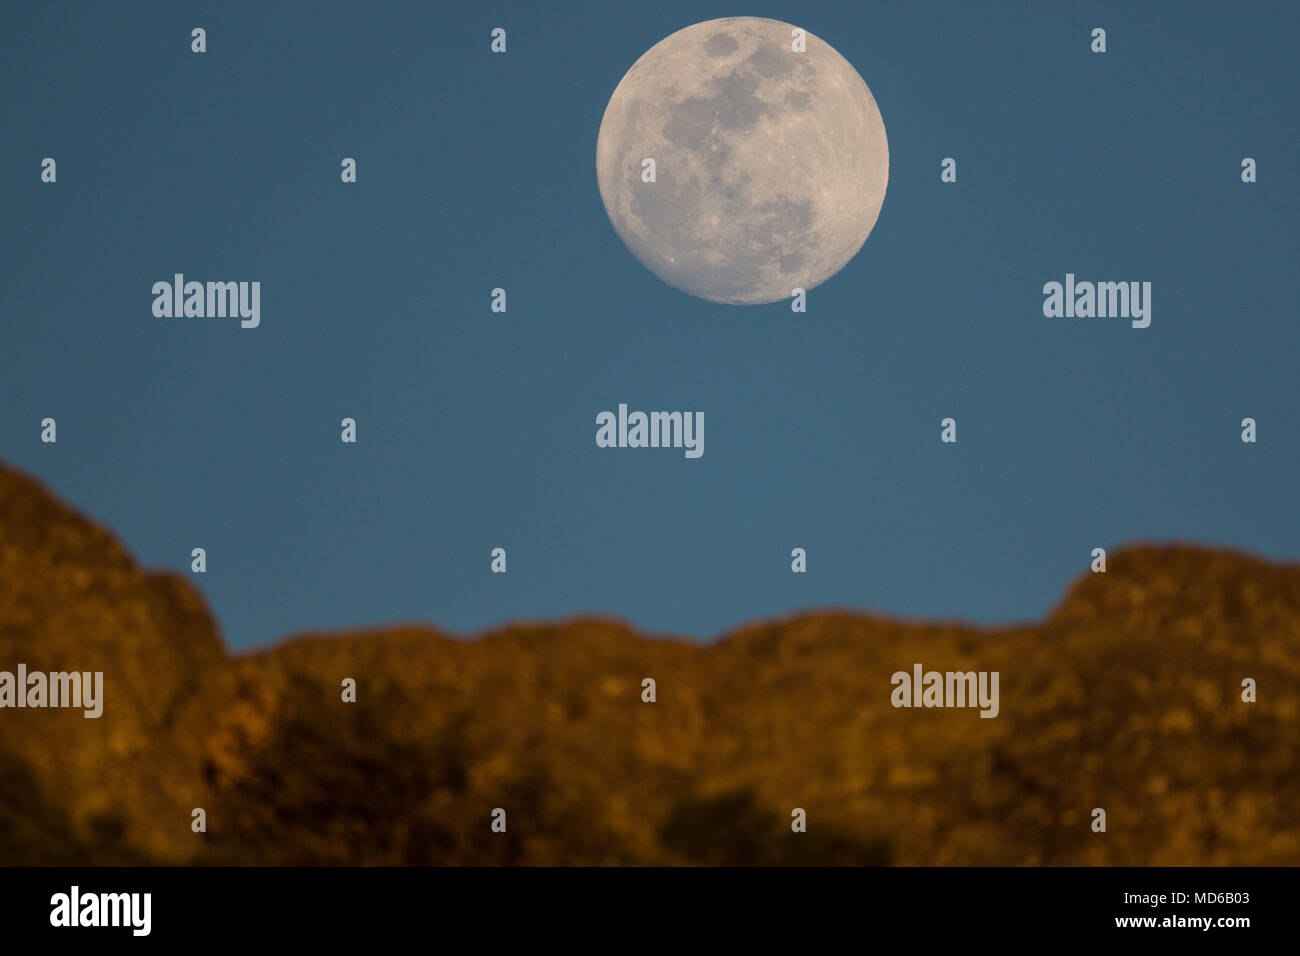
x: 770, y: 164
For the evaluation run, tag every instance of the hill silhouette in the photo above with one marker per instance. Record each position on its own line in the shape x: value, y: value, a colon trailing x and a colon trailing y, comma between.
x: 1127, y: 697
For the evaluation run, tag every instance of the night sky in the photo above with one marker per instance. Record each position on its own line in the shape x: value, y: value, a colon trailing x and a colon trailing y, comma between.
x: 477, y: 430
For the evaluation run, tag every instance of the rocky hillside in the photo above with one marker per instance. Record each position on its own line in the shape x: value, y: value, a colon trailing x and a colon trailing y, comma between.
x: 1128, y: 698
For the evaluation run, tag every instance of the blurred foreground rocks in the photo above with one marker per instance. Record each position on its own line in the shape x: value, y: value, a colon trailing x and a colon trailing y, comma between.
x: 1128, y: 697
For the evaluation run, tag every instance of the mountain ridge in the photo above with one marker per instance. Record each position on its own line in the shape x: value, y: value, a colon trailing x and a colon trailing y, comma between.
x: 546, y: 720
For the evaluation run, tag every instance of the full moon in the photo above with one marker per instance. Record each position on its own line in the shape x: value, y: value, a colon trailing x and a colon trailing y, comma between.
x: 769, y: 163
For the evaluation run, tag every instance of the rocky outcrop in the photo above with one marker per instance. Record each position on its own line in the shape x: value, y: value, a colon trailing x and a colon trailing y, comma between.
x: 1127, y: 697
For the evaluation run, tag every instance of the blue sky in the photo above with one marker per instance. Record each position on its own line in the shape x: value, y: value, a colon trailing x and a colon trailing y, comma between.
x: 476, y: 430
